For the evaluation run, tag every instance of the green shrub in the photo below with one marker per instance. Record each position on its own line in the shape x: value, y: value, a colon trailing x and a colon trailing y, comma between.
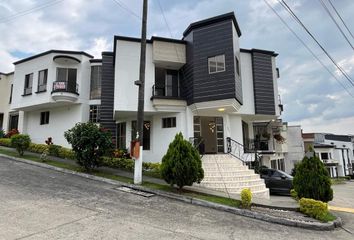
x: 181, y: 165
x: 313, y: 208
x: 37, y: 148
x: 2, y: 133
x: 21, y: 142
x: 121, y: 163
x: 89, y: 142
x: 66, y: 153
x: 44, y: 155
x: 54, y: 150
x: 294, y: 195
x: 6, y: 142
x: 312, y: 180
x: 246, y: 198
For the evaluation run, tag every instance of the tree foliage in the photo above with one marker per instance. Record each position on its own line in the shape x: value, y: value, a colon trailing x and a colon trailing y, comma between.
x: 21, y: 142
x: 181, y: 165
x: 89, y: 143
x: 312, y: 180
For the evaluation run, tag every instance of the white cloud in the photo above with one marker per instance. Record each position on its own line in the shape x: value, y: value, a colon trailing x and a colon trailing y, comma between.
x: 100, y: 45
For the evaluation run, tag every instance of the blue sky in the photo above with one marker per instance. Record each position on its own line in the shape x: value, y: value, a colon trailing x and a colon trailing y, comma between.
x: 311, y: 96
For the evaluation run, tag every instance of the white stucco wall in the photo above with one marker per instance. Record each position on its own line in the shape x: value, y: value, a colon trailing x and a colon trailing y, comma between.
x: 247, y: 84
x: 5, y: 90
x: 295, y: 147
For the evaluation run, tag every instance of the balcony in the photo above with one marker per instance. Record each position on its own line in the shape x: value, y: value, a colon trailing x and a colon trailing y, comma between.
x: 167, y: 99
x: 65, y: 91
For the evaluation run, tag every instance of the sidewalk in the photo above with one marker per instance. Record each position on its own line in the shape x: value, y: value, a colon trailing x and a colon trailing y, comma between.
x: 277, y: 202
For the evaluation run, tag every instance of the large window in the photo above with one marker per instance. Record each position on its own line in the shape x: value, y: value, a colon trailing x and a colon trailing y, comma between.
x: 13, y: 124
x: 44, y: 118
x: 42, y: 80
x: 216, y: 64
x: 169, y: 122
x: 96, y: 79
x: 28, y: 84
x: 146, y: 133
x: 68, y: 75
x: 94, y: 113
x: 166, y: 83
x: 121, y: 135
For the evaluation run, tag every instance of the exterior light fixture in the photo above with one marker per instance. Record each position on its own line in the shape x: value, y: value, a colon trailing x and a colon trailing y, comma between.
x: 221, y: 109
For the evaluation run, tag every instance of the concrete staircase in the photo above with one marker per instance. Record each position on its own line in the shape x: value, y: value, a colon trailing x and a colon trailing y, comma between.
x: 223, y: 172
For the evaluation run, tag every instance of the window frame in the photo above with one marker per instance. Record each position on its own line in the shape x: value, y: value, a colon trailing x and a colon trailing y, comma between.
x: 146, y: 133
x: 214, y: 59
x: 94, y: 113
x: 122, y: 135
x: 169, y: 122
x: 27, y: 90
x: 44, y: 118
x: 98, y: 86
x: 45, y: 71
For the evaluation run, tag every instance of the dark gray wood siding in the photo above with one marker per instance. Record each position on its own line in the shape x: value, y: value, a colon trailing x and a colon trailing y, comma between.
x: 263, y: 83
x: 209, y: 41
x: 186, y: 73
x: 107, y: 95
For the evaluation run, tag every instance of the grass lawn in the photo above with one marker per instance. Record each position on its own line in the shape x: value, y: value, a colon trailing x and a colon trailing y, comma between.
x: 207, y: 197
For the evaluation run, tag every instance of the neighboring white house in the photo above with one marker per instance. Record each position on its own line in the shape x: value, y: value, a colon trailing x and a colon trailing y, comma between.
x: 8, y: 119
x: 295, y: 147
x: 336, y: 152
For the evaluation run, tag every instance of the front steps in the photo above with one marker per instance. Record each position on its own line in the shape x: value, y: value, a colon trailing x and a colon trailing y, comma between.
x: 222, y: 172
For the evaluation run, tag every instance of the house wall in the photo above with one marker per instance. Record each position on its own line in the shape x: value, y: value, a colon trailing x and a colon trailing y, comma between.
x: 60, y: 120
x: 295, y: 145
x: 5, y: 90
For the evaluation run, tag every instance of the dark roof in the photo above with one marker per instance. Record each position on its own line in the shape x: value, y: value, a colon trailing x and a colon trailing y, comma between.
x: 53, y: 51
x: 320, y: 145
x: 212, y: 20
x: 95, y: 60
x: 272, y: 53
x: 342, y: 138
x: 6, y: 74
x: 153, y: 38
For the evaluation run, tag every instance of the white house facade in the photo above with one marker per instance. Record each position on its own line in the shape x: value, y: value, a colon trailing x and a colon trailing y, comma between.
x: 8, y: 118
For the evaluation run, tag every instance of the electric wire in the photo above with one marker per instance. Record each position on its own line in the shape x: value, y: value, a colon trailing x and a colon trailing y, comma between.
x: 29, y: 11
x: 309, y: 49
x: 288, y: 9
x: 340, y: 17
x: 335, y: 22
x: 126, y: 8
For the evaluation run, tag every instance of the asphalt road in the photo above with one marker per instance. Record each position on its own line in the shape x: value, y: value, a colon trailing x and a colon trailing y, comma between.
x: 37, y: 203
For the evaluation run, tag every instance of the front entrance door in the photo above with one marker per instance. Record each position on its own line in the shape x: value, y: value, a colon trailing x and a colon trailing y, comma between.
x: 211, y: 132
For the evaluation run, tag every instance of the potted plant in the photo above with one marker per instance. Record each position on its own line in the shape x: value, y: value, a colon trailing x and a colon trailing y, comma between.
x: 279, y: 138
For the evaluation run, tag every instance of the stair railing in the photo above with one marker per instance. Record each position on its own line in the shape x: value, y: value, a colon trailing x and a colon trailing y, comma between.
x: 239, y: 151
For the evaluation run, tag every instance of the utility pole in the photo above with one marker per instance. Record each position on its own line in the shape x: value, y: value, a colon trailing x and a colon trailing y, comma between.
x: 141, y: 83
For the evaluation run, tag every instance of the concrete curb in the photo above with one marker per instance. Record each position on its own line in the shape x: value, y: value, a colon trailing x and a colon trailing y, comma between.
x: 242, y: 212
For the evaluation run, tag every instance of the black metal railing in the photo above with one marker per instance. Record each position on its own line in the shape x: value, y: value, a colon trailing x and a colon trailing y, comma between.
x: 242, y: 153
x: 65, y: 87
x: 198, y: 144
x: 252, y: 145
x: 160, y: 91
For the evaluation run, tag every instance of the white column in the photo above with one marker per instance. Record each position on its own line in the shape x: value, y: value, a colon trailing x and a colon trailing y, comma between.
x: 138, y: 168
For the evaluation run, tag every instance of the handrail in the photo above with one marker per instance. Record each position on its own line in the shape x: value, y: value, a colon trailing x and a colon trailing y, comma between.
x: 236, y: 149
x: 63, y: 86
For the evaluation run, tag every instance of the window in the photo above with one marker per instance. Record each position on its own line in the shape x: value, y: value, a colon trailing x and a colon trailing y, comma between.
x: 67, y: 75
x: 281, y: 165
x: 121, y: 135
x: 1, y: 120
x: 13, y: 124
x: 273, y: 164
x: 169, y: 122
x: 44, y: 118
x: 94, y: 113
x: 216, y: 64
x: 146, y: 133
x: 324, y: 156
x: 42, y: 80
x: 12, y: 88
x: 237, y: 66
x: 166, y: 83
x: 28, y: 84
x: 96, y: 79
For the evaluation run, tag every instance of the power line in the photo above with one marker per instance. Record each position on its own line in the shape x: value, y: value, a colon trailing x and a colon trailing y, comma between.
x: 345, y: 25
x: 308, y: 48
x: 126, y: 8
x: 335, y: 22
x: 288, y: 9
x: 29, y: 11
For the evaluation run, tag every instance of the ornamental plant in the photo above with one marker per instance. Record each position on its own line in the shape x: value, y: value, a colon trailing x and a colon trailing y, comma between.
x: 181, y: 165
x: 312, y: 180
x: 21, y: 142
x: 246, y: 198
x: 89, y: 143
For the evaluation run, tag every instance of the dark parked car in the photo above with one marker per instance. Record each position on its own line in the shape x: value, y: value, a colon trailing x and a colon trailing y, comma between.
x: 277, y: 181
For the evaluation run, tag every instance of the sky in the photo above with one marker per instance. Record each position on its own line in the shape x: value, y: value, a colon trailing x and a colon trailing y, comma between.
x: 311, y: 96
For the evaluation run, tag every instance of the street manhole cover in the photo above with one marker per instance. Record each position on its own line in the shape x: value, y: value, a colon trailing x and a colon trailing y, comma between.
x: 133, y: 191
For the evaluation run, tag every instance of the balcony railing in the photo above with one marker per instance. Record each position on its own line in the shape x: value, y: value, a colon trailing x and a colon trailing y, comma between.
x: 252, y: 145
x: 162, y: 92
x: 65, y: 87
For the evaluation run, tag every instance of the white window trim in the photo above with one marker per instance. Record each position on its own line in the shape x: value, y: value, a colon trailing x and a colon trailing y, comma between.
x: 216, y: 67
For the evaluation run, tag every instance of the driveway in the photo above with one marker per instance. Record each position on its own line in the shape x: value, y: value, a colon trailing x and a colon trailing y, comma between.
x: 38, y: 203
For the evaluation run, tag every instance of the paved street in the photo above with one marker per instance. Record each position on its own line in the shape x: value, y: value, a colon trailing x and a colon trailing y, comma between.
x: 39, y: 203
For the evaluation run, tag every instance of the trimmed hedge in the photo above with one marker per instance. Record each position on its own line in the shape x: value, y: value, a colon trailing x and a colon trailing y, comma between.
x: 66, y: 153
x: 128, y: 164
x: 314, y: 208
x: 37, y: 148
x: 6, y: 142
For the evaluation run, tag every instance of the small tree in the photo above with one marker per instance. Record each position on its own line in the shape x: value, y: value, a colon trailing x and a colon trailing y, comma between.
x: 21, y: 142
x: 312, y: 180
x: 181, y: 165
x: 89, y: 142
